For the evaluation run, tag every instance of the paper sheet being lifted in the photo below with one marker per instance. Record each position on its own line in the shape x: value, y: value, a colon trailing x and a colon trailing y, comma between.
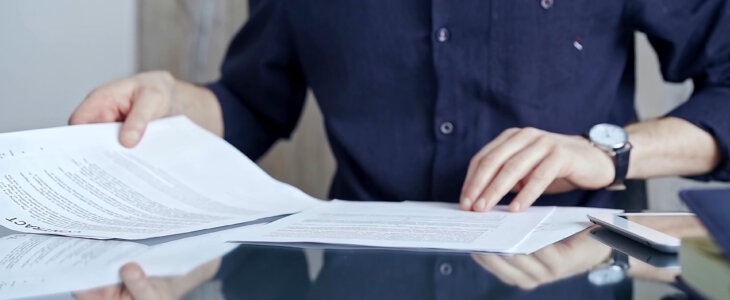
x: 79, y: 181
x: 432, y: 225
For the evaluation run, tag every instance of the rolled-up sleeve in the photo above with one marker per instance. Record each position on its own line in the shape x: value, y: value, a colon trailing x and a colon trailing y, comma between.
x: 692, y: 40
x: 262, y: 88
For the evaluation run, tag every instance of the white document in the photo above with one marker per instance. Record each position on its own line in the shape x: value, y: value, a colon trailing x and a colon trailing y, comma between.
x: 35, y: 265
x: 403, y: 225
x: 79, y: 181
x: 562, y: 223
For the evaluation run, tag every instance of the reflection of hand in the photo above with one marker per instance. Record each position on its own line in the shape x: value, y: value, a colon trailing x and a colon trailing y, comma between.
x: 640, y: 269
x: 136, y: 285
x: 572, y: 256
x: 531, y: 162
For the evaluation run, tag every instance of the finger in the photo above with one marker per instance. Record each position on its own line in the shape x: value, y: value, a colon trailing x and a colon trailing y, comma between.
x: 548, y: 253
x: 108, y: 292
x: 125, y: 295
x: 108, y: 103
x: 137, y: 283
x: 540, y: 178
x: 490, y: 164
x: 532, y: 267
x: 501, y: 138
x: 553, y: 257
x: 467, y: 202
x: 559, y: 185
x: 514, y: 169
x: 518, y: 186
x: 97, y: 112
x: 507, y: 273
x: 146, y: 106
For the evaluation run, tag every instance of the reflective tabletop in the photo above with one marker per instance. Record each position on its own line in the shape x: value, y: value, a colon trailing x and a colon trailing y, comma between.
x: 592, y: 264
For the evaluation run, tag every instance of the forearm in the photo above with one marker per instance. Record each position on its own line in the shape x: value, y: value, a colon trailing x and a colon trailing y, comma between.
x: 670, y: 146
x: 199, y: 104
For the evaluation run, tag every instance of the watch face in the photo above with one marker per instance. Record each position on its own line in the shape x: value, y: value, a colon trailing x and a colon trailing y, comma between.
x: 608, y: 275
x: 608, y: 135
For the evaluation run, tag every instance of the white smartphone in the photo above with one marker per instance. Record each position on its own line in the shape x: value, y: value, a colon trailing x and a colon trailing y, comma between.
x: 620, y: 224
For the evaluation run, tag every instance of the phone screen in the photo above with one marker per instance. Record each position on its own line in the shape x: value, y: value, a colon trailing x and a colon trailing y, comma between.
x: 677, y: 226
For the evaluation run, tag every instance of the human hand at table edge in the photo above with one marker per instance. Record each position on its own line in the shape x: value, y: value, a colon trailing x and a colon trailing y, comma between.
x: 532, y: 162
x: 572, y: 256
x: 142, y: 98
x: 136, y: 285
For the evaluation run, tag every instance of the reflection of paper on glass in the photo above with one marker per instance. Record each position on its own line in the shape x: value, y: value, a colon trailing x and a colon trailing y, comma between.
x: 403, y: 225
x: 28, y: 256
x: 31, y: 264
x: 34, y: 265
x: 79, y: 181
x: 562, y: 223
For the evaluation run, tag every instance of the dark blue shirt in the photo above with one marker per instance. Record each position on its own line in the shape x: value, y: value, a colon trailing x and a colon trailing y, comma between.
x: 410, y: 90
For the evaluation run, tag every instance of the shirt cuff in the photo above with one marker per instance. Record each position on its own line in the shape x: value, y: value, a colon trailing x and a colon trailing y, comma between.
x: 241, y: 127
x: 708, y: 109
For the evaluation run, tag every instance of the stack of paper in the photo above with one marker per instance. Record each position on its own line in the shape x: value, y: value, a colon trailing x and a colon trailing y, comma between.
x: 425, y: 225
x: 79, y: 181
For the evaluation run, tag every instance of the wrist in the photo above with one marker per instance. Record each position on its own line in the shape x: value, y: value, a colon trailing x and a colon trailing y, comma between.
x: 637, y: 152
x: 671, y: 146
x: 197, y: 103
x: 614, y: 142
x: 604, y: 162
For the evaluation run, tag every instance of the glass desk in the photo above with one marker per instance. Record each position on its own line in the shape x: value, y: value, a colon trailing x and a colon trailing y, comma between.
x: 592, y: 264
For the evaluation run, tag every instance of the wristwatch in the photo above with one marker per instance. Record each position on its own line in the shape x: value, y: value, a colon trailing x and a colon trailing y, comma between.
x: 613, y: 140
x: 612, y: 272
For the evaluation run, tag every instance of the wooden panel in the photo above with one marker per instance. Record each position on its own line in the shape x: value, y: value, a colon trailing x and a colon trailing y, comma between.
x: 189, y: 39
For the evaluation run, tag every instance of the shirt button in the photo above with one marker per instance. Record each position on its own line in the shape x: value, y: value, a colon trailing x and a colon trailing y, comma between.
x: 446, y: 269
x: 546, y: 4
x: 442, y: 34
x: 447, y: 127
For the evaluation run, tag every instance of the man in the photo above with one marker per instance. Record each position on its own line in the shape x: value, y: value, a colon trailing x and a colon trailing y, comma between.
x: 471, y: 100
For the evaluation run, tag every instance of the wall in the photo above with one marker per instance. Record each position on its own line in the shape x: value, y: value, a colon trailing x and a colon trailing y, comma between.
x: 54, y: 52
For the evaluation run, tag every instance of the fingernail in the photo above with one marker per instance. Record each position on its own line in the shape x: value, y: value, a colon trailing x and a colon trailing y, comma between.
x: 133, y: 274
x: 515, y: 206
x: 481, y: 203
x: 466, y: 203
x: 131, y: 136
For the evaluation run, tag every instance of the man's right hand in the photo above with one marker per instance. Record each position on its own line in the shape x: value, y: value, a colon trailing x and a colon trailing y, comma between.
x: 135, y: 100
x: 142, y: 98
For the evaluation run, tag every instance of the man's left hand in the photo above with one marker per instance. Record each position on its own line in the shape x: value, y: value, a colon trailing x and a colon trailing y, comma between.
x: 531, y: 162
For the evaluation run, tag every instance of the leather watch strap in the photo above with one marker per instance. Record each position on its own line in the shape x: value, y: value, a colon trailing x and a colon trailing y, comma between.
x: 621, y: 159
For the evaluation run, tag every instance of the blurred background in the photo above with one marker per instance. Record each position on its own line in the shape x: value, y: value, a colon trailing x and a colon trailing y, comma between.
x: 54, y: 53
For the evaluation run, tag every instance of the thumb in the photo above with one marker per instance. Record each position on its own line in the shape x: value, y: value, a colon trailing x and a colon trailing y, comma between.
x: 137, y: 283
x: 148, y: 104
